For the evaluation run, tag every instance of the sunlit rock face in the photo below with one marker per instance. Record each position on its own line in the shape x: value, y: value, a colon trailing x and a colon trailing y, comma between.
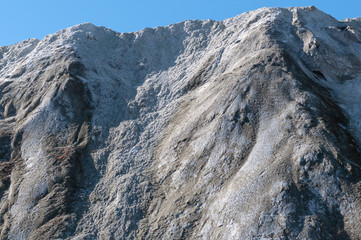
x: 247, y: 128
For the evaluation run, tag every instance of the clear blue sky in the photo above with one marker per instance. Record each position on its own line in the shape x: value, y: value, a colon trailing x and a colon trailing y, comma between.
x: 23, y: 19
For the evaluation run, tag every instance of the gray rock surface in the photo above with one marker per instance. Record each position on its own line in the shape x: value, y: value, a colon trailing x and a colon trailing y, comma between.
x: 247, y: 128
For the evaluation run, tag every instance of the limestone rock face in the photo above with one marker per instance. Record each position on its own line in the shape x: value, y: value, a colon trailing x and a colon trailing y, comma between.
x: 247, y: 128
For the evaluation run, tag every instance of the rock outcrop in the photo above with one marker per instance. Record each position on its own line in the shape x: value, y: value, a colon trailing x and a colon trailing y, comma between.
x: 247, y: 128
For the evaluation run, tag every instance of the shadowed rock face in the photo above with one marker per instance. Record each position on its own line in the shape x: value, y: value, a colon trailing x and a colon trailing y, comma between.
x: 246, y: 128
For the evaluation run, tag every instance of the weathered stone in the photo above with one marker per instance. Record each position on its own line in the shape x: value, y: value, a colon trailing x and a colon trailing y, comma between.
x: 247, y: 128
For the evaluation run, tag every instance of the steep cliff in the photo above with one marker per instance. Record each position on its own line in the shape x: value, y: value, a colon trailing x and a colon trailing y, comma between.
x: 246, y: 128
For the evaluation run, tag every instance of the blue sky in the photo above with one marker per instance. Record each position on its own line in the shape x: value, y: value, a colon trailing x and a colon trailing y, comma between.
x: 23, y: 19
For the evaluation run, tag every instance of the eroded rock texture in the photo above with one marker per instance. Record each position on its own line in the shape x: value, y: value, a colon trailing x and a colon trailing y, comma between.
x: 247, y: 128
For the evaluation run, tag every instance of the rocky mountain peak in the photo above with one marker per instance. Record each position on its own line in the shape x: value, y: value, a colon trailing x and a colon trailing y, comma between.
x: 247, y: 128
